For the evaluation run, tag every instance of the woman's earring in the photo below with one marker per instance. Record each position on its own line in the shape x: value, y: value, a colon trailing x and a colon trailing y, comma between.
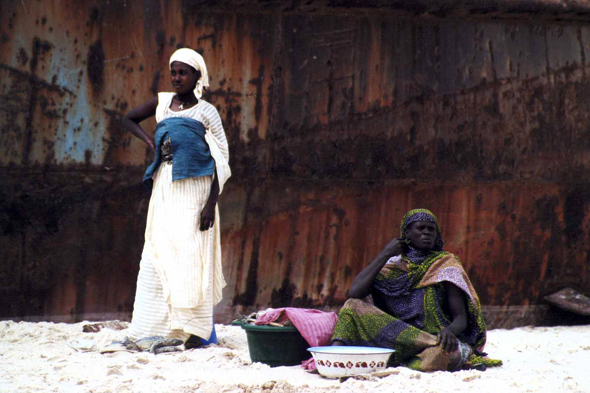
x: 407, y: 241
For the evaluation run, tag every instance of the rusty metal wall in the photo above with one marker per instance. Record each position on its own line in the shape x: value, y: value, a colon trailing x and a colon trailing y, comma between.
x: 340, y: 118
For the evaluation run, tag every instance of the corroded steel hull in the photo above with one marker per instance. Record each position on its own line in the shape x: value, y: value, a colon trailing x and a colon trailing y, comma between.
x: 339, y: 120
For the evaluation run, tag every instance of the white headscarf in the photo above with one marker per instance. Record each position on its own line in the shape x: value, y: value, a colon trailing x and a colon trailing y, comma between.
x: 195, y: 60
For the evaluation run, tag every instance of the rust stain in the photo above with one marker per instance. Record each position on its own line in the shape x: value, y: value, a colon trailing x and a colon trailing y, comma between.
x: 95, y: 66
x: 39, y: 49
x: 338, y: 122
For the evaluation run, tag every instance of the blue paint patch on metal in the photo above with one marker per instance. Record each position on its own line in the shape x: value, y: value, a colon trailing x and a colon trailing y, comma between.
x: 338, y: 121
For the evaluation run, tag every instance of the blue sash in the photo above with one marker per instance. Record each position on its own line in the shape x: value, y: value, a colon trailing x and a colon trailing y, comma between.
x: 191, y: 156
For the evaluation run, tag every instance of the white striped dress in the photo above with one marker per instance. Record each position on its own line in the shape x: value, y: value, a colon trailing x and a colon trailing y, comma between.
x: 180, y: 275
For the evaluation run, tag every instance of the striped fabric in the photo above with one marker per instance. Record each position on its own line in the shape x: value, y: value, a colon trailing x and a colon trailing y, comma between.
x: 151, y: 314
x: 203, y: 112
x: 180, y: 278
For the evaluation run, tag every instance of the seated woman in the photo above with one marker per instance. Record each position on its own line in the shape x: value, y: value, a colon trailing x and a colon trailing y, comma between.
x: 417, y: 299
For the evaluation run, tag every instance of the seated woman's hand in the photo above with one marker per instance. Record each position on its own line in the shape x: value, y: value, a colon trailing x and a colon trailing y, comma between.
x: 447, y: 340
x: 393, y: 248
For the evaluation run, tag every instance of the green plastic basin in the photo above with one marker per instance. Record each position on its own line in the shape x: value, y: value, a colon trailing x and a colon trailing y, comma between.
x: 276, y: 346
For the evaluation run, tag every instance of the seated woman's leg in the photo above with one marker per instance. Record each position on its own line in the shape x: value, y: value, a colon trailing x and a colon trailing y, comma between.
x: 363, y: 324
x: 360, y: 323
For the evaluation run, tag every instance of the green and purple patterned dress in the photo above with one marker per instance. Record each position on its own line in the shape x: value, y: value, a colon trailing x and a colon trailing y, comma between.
x: 408, y: 307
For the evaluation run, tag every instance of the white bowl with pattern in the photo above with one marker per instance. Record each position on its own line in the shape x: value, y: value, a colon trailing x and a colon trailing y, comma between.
x: 342, y: 361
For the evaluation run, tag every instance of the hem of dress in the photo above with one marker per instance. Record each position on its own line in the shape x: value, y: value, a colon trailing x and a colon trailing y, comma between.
x: 201, y: 332
x: 182, y: 177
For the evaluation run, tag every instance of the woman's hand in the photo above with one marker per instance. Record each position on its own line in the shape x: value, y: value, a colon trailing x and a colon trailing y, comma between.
x: 447, y: 340
x: 136, y: 115
x: 361, y: 285
x: 151, y: 144
x: 207, y: 217
x: 393, y: 248
x: 458, y: 305
x: 208, y: 213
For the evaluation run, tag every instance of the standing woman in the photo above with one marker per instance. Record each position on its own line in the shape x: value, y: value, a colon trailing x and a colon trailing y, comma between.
x: 180, y: 275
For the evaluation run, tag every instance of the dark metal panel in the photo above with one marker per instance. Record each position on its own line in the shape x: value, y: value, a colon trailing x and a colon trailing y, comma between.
x: 509, y: 242
x: 338, y: 123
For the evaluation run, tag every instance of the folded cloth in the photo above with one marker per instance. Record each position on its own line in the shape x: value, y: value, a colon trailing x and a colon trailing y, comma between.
x: 315, y: 326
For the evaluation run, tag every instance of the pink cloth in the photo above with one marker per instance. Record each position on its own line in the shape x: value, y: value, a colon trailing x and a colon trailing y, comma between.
x: 315, y: 326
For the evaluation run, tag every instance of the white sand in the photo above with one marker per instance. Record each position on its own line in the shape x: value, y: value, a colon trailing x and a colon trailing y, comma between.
x: 35, y: 357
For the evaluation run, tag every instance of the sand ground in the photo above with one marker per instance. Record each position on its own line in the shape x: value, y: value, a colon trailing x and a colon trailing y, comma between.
x: 38, y: 357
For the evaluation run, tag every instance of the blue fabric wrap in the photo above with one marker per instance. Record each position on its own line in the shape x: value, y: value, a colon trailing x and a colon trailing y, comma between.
x: 191, y: 156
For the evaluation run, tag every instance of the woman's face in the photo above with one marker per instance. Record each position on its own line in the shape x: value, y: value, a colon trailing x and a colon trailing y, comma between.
x: 183, y: 77
x: 421, y: 234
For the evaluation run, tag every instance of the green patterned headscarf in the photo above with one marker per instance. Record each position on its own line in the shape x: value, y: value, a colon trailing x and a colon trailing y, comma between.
x: 415, y: 255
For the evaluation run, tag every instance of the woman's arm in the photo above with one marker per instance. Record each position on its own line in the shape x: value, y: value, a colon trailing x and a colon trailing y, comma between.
x: 208, y: 212
x: 448, y: 336
x: 361, y: 285
x: 136, y: 115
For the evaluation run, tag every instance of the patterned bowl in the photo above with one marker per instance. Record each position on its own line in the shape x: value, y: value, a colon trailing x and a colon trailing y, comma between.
x: 342, y: 361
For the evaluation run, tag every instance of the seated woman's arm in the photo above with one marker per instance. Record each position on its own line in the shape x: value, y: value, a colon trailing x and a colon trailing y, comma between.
x: 457, y: 303
x: 361, y: 285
